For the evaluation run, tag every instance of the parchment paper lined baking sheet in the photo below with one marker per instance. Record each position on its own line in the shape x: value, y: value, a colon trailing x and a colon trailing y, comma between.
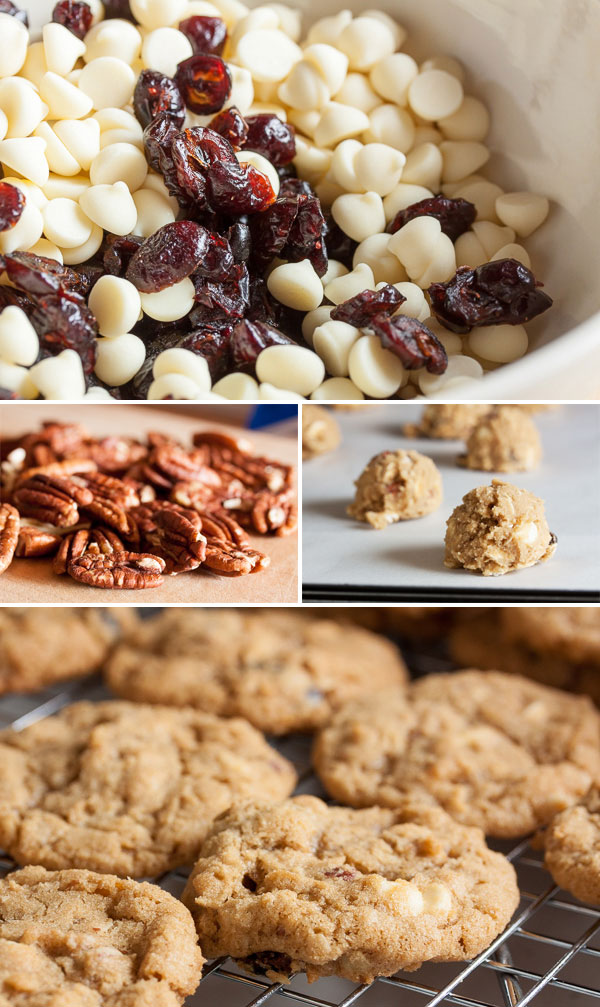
x: 340, y: 551
x: 31, y: 581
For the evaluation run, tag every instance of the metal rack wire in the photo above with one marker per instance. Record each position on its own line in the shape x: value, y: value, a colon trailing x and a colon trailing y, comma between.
x: 549, y: 954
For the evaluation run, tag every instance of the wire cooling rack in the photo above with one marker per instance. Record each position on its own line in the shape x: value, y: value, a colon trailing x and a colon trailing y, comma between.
x: 549, y: 954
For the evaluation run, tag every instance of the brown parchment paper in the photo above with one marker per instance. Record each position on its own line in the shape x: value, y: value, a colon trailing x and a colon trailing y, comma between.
x: 31, y: 581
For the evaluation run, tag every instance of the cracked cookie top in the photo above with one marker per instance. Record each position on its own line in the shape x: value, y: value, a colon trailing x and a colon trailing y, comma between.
x: 300, y: 886
x: 93, y: 940
x: 280, y: 670
x: 125, y: 788
x: 492, y: 749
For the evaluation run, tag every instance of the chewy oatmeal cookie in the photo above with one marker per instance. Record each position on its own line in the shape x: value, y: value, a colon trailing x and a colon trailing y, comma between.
x: 406, y: 621
x: 493, y: 750
x: 39, y: 646
x: 281, y: 671
x: 302, y: 887
x: 558, y: 646
x: 572, y: 848
x: 127, y: 789
x: 78, y: 939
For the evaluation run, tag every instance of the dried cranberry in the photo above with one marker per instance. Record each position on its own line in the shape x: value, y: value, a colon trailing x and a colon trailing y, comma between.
x: 64, y: 322
x: 12, y: 204
x: 205, y: 83
x: 270, y: 230
x: 118, y: 251
x: 5, y: 393
x: 361, y: 308
x: 206, y: 34
x: 158, y: 137
x: 38, y: 275
x: 155, y: 93
x: 8, y: 7
x: 238, y: 189
x: 503, y: 292
x: 217, y: 259
x: 193, y: 151
x: 74, y: 15
x: 251, y: 338
x: 454, y: 215
x: 168, y: 256
x: 263, y: 307
x: 411, y: 341
x: 89, y: 273
x: 270, y: 136
x: 295, y: 187
x: 231, y: 124
x: 240, y: 240
x: 306, y: 239
x: 9, y: 297
x: 118, y: 8
x: 213, y: 343
x: 225, y: 300
x: 339, y: 246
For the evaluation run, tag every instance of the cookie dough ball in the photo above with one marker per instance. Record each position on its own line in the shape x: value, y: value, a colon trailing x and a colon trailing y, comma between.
x: 537, y: 407
x: 396, y: 486
x: 505, y: 440
x: 497, y: 529
x: 320, y: 431
x: 447, y: 422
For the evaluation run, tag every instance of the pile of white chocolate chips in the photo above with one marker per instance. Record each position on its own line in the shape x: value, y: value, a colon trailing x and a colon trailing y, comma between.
x: 301, y: 291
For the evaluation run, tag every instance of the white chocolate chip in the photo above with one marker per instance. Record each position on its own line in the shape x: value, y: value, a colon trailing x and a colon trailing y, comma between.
x: 365, y: 40
x: 471, y: 121
x: 334, y: 269
x: 523, y: 211
x: 313, y: 318
x: 65, y: 100
x: 460, y: 368
x: 374, y: 251
x: 119, y: 358
x: 269, y: 54
x: 237, y: 386
x: 153, y: 212
x: 304, y: 89
x: 164, y: 48
x: 462, y: 158
x: 327, y: 29
x: 48, y: 249
x: 81, y: 253
x: 58, y: 157
x: 435, y: 94
x: 27, y: 156
x: 116, y: 304
x: 70, y: 187
x: 119, y: 162
x: 62, y: 48
x: 333, y: 341
x: 19, y: 343
x: 376, y: 371
x: 414, y: 244
x: 296, y: 285
x: 437, y: 899
x: 512, y: 251
x: 405, y: 194
x: 293, y: 368
x: 16, y: 379
x: 65, y: 223
x: 378, y: 168
x: 392, y: 76
x: 81, y: 137
x: 261, y: 164
x: 22, y: 107
x: 59, y: 377
x: 155, y: 13
x: 111, y: 207
x: 499, y: 343
x: 339, y: 122
x: 108, y: 82
x: 13, y: 45
x: 359, y: 214
x: 115, y: 37
x: 392, y: 125
x: 330, y: 62
x: 28, y: 229
x: 424, y: 166
x: 348, y: 284
x: 171, y: 303
x: 357, y: 91
x: 174, y: 386
x: 337, y: 388
x: 177, y: 360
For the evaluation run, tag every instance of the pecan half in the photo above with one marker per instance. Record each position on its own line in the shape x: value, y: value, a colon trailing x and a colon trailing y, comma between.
x: 178, y: 538
x: 115, y: 455
x: 54, y: 442
x: 121, y: 492
x: 128, y: 571
x: 68, y: 467
x: 196, y: 495
x: 52, y: 499
x: 9, y: 534
x: 223, y: 528
x: 233, y: 561
x: 36, y: 542
x: 274, y: 512
x: 219, y: 439
x: 97, y: 541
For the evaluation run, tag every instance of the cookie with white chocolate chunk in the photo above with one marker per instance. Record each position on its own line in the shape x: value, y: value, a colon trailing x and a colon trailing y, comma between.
x: 302, y: 887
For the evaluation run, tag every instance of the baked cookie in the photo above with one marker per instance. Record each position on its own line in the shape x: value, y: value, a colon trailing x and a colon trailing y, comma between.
x: 280, y: 670
x: 39, y: 646
x: 446, y: 422
x: 492, y: 750
x: 320, y: 431
x: 498, y: 529
x: 572, y: 848
x: 78, y: 939
x: 303, y: 887
x: 396, y: 486
x: 410, y: 622
x: 505, y: 440
x: 558, y: 646
x: 127, y: 789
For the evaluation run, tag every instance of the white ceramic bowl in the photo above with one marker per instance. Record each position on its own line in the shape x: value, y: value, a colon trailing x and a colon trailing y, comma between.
x: 536, y: 66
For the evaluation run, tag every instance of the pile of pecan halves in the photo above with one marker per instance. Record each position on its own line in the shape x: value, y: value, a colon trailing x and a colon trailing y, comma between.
x: 118, y: 512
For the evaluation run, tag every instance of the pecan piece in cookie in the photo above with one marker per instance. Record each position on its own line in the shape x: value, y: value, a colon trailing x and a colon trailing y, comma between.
x: 127, y: 571
x: 52, y: 499
x: 9, y: 534
x: 36, y: 542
